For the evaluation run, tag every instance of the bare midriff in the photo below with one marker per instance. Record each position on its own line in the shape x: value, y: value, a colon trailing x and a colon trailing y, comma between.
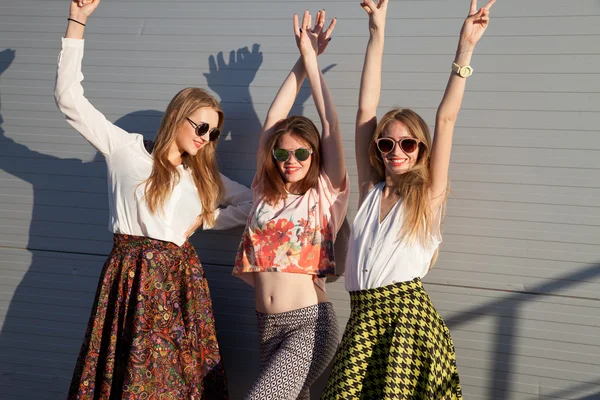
x: 278, y: 292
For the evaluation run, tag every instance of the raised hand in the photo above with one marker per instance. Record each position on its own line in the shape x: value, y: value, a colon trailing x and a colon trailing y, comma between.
x: 476, y: 23
x: 307, y: 39
x: 82, y: 9
x: 377, y: 13
x: 324, y: 35
x: 313, y: 40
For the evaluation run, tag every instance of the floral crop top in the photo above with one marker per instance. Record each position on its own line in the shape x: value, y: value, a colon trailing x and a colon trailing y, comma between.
x: 296, y: 235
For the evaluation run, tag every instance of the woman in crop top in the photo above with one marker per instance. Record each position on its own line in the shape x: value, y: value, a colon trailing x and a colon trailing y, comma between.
x: 395, y: 345
x: 151, y: 333
x: 300, y: 200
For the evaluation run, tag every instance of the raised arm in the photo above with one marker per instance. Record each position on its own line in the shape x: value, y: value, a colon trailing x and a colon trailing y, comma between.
x: 370, y: 88
x: 472, y: 30
x: 284, y: 100
x: 79, y: 11
x: 281, y: 106
x: 68, y: 92
x: 331, y: 140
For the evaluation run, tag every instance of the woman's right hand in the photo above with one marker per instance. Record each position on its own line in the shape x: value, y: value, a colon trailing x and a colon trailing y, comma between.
x: 81, y: 9
x: 316, y: 39
x: 377, y: 14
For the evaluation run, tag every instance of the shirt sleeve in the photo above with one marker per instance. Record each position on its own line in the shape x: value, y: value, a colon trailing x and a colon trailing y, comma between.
x: 80, y: 114
x: 237, y: 203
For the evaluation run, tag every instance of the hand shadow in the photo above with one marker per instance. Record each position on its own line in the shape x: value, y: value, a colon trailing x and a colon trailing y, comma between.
x: 231, y: 81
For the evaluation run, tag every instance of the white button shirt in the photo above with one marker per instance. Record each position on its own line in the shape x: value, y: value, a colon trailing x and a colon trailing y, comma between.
x: 376, y: 257
x: 129, y: 166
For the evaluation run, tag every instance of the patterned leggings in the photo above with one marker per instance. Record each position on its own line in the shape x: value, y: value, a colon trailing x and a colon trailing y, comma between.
x: 295, y: 348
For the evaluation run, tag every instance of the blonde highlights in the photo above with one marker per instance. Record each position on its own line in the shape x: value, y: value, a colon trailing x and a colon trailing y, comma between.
x: 412, y: 186
x: 203, y: 166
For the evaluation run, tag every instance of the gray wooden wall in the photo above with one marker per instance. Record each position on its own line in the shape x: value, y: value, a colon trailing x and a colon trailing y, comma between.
x: 518, y: 280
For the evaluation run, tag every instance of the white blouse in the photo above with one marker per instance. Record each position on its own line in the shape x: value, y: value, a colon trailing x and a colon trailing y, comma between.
x: 376, y: 257
x: 129, y: 165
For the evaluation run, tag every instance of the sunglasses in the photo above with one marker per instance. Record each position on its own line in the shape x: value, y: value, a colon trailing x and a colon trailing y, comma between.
x: 407, y: 145
x: 202, y: 129
x: 282, y: 155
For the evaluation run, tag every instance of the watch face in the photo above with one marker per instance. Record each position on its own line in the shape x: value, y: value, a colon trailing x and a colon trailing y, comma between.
x: 465, y: 71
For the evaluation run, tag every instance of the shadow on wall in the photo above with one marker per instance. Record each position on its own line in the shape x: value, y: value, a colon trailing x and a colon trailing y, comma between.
x: 44, y: 323
x: 50, y: 288
x: 53, y: 284
x: 506, y: 335
x: 68, y: 242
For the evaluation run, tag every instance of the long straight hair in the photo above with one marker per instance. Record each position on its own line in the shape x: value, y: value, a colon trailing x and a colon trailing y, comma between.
x: 270, y: 179
x: 412, y: 186
x: 205, y: 172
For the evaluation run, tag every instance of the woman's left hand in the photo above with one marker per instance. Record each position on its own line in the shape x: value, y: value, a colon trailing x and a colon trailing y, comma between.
x: 475, y: 24
x: 315, y: 40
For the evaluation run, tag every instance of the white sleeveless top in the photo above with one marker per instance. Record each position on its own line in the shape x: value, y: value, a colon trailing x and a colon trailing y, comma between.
x: 376, y: 257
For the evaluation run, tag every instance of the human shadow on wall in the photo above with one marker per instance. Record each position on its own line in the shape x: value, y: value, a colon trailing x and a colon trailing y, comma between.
x: 68, y: 241
x: 233, y: 300
x: 49, y: 306
x: 507, y: 311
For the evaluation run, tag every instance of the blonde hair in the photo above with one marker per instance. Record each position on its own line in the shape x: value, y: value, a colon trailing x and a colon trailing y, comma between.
x: 412, y: 186
x: 205, y: 172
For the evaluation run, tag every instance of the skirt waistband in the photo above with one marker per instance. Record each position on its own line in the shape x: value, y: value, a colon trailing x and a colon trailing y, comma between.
x: 122, y: 240
x: 309, y: 311
x: 386, y: 293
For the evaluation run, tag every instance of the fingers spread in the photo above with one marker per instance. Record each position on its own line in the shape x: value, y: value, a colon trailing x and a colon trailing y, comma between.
x: 220, y: 60
x: 330, y: 29
x: 315, y: 28
x: 296, y: 25
x: 305, y: 20
x: 212, y: 64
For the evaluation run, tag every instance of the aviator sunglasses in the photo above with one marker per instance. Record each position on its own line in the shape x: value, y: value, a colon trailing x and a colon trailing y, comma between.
x: 202, y: 129
x: 282, y: 155
x: 408, y: 145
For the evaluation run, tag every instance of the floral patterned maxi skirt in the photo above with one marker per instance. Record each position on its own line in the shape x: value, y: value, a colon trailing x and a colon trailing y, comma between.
x: 151, y: 334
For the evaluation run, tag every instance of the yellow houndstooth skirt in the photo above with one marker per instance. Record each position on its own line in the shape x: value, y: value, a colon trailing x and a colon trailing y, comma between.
x: 395, y: 346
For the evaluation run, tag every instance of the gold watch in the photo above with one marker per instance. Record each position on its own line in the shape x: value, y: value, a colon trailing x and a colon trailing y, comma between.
x: 464, y: 72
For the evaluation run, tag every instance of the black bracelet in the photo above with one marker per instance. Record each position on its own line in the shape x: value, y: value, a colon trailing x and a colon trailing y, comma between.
x: 77, y: 22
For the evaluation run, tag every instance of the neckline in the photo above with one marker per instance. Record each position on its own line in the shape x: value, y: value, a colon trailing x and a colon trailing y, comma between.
x: 151, y: 159
x: 380, y: 221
